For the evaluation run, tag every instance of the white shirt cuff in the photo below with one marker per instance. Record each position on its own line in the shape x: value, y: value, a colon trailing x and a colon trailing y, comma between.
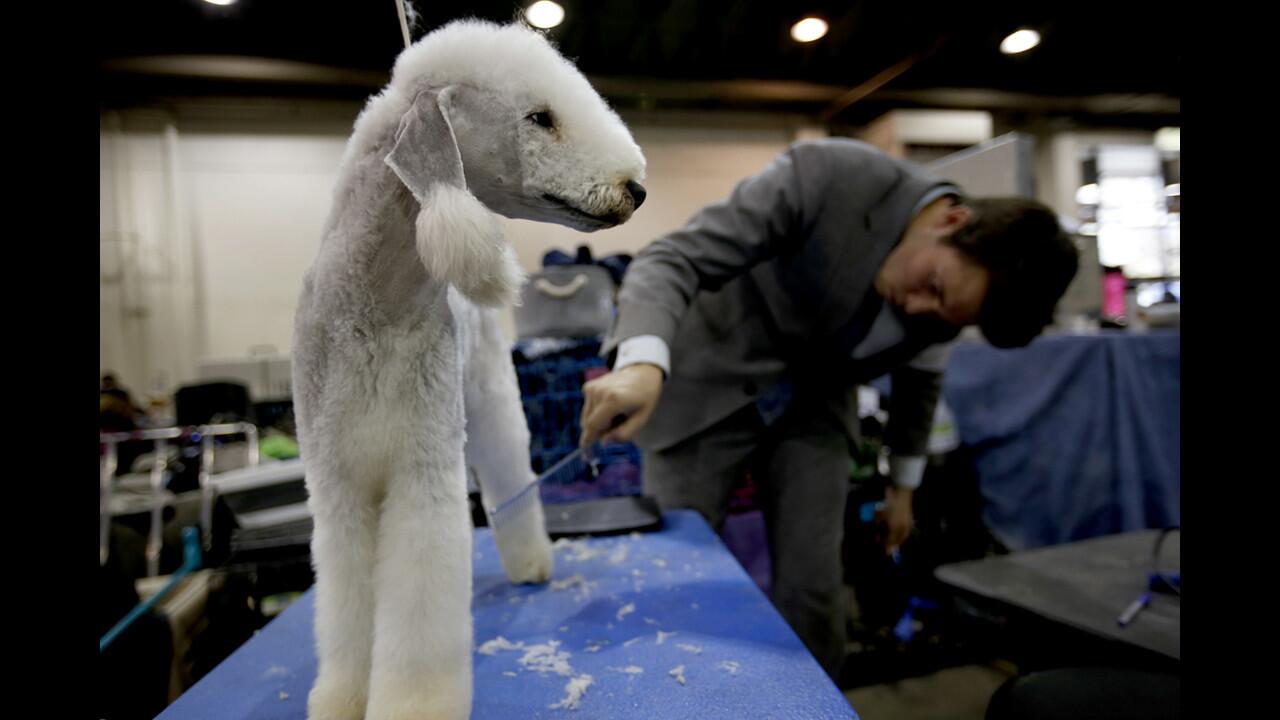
x: 644, y: 349
x: 907, y: 472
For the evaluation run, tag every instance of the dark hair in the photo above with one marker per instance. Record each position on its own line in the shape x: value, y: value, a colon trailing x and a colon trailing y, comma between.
x: 1031, y: 260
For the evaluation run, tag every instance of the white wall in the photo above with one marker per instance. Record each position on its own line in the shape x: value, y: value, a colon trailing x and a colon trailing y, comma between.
x: 257, y: 205
x: 894, y: 131
x: 1058, y: 163
x: 208, y: 222
x: 942, y: 127
x: 211, y: 213
x: 148, y: 281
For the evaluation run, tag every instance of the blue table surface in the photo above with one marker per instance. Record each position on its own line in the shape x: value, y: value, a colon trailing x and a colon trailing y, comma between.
x: 634, y: 612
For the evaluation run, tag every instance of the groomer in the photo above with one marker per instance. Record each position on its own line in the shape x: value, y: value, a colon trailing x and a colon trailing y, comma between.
x: 741, y: 339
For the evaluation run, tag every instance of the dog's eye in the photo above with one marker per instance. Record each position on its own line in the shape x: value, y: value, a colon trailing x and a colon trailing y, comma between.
x: 542, y: 118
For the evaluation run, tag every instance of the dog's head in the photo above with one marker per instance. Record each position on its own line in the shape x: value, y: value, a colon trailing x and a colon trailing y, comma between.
x: 496, y: 110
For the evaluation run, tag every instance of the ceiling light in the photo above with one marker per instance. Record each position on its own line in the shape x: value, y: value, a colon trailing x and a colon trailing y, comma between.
x: 1020, y: 41
x: 544, y: 14
x: 808, y: 30
x: 221, y: 2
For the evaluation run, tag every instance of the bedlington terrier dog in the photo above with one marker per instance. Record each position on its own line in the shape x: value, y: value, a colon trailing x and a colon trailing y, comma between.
x: 402, y: 378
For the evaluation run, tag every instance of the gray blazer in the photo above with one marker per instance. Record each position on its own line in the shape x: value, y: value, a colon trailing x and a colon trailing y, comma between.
x: 775, y: 282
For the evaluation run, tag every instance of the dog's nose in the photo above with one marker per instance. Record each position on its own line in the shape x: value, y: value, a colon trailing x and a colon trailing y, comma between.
x: 637, y: 192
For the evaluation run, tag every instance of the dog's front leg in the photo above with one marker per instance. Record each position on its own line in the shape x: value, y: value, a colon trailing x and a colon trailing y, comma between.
x: 342, y: 548
x: 422, y: 622
x: 498, y: 450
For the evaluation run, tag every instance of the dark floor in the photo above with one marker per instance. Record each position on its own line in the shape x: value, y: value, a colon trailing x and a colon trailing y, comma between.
x: 953, y: 693
x: 959, y: 693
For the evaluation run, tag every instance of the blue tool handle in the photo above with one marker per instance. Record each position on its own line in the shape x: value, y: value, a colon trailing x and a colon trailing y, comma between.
x: 190, y: 563
x: 1132, y: 611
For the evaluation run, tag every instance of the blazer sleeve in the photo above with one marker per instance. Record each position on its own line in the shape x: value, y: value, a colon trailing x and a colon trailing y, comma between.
x: 914, y: 390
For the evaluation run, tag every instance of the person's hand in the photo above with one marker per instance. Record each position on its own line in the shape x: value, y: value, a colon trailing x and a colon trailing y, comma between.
x: 897, y: 518
x: 632, y: 392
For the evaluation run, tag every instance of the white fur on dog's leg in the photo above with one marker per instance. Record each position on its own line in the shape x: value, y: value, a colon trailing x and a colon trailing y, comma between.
x: 523, y: 545
x: 498, y: 448
x: 462, y: 243
x: 332, y: 700
x: 422, y: 624
x: 342, y: 549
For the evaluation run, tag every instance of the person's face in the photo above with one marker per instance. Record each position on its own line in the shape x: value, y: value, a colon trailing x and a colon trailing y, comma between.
x: 924, y: 276
x: 942, y: 281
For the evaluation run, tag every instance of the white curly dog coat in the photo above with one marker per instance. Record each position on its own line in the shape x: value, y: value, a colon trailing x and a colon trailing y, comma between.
x: 402, y: 379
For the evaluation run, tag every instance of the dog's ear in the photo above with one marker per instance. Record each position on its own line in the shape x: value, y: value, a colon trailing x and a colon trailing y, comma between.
x: 426, y: 151
x: 459, y: 240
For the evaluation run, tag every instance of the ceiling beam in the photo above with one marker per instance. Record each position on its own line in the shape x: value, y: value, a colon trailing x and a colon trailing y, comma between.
x: 985, y: 99
x: 823, y: 98
x: 244, y: 69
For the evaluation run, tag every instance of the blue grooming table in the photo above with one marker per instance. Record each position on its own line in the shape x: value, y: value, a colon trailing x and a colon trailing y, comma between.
x: 637, y: 613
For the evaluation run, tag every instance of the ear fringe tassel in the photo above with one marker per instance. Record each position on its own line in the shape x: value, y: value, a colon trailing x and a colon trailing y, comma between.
x: 462, y: 242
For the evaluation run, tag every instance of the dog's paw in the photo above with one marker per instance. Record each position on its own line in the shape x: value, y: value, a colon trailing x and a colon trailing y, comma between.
x: 420, y: 708
x: 524, y: 548
x: 422, y: 704
x: 330, y: 700
x: 530, y: 562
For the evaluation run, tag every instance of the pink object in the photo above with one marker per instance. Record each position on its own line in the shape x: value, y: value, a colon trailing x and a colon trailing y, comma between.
x: 1113, y: 291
